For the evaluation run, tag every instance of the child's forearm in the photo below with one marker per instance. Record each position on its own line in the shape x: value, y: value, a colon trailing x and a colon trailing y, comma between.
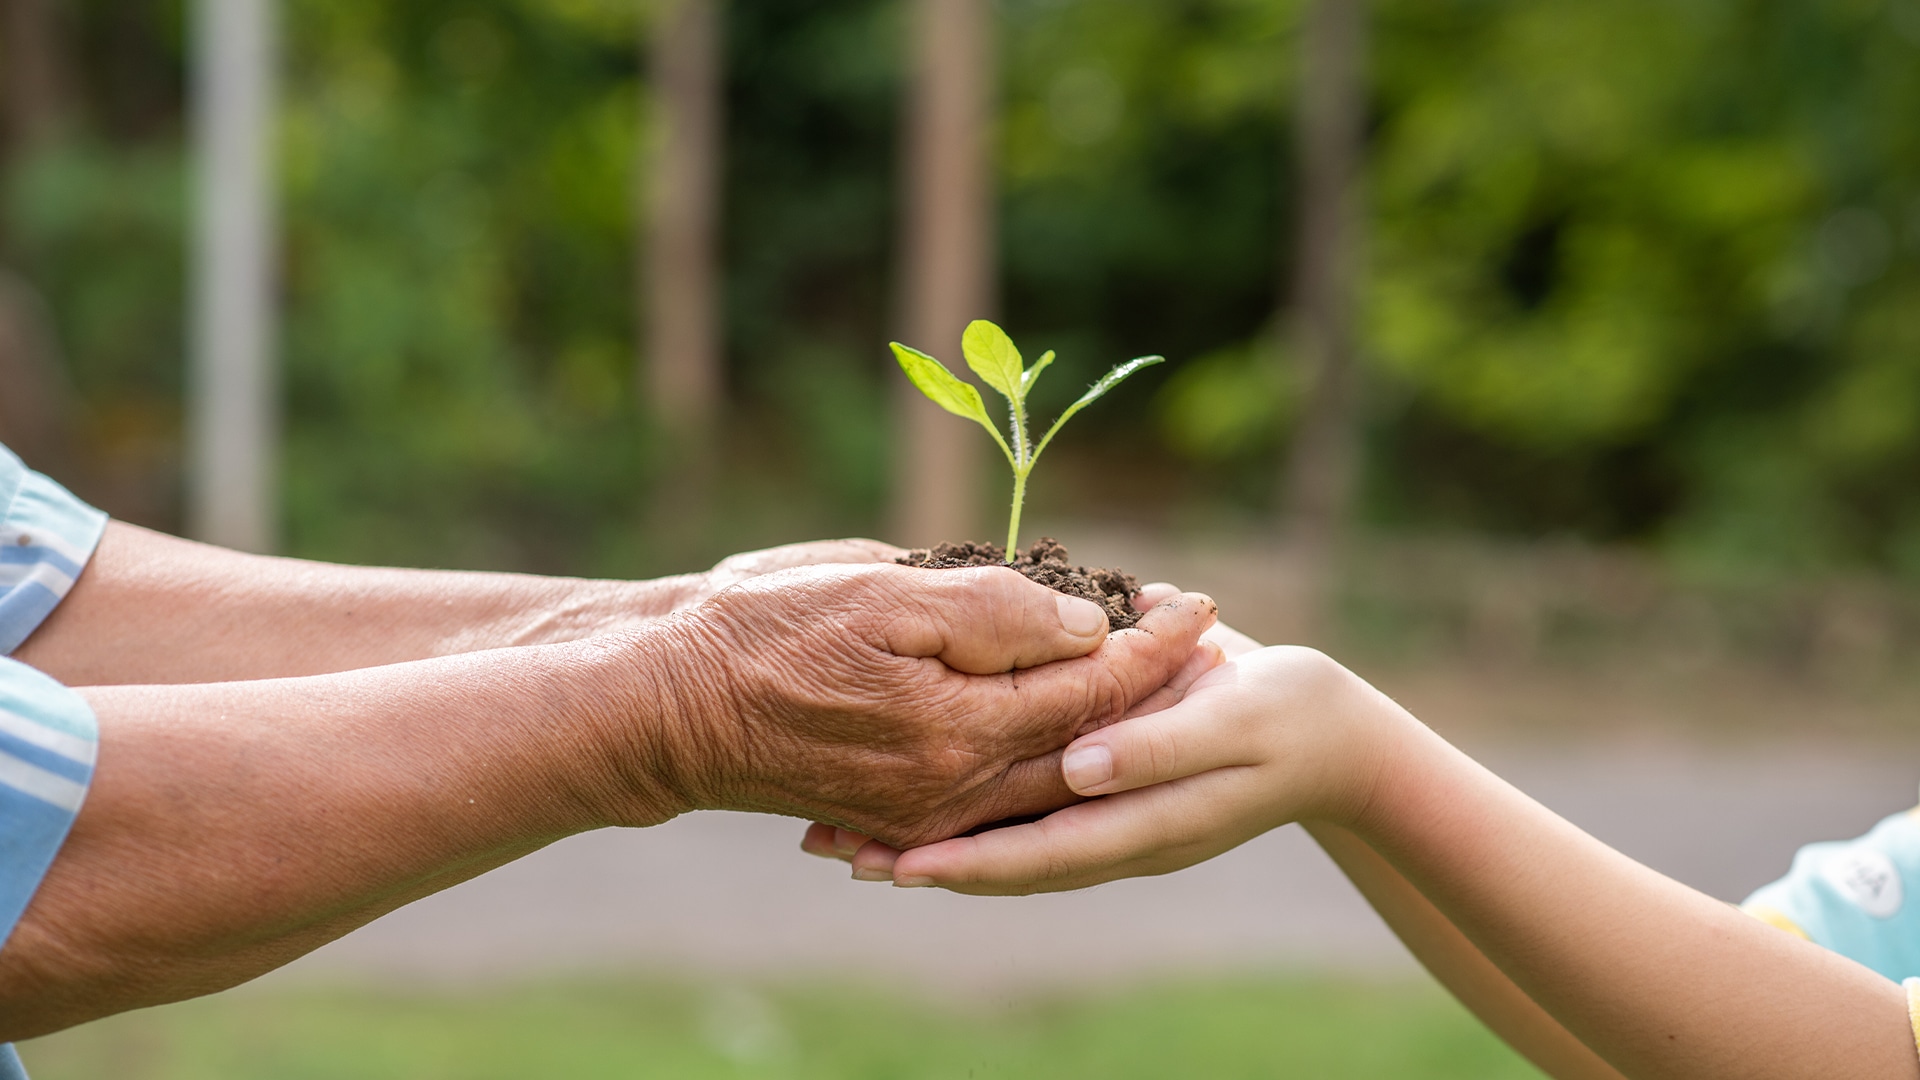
x: 1458, y: 965
x: 1658, y: 979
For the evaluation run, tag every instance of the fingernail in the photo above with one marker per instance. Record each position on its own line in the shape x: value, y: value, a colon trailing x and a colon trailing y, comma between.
x: 867, y: 873
x: 1081, y: 618
x: 1150, y: 595
x: 912, y: 881
x: 1087, y: 767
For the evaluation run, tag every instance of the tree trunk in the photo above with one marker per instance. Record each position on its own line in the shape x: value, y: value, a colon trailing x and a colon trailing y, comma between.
x: 682, y: 362
x: 35, y: 404
x: 682, y: 378
x: 233, y: 392
x: 946, y: 261
x: 32, y: 72
x: 35, y: 101
x: 1323, y: 463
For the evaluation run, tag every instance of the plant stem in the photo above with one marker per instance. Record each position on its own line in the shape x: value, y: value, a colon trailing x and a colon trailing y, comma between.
x: 1019, y: 497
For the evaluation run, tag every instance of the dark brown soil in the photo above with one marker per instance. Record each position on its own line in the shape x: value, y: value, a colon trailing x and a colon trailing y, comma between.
x: 1046, y: 562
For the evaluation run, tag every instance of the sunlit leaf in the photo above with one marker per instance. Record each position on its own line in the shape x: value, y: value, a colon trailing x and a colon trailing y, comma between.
x: 992, y: 356
x: 946, y: 389
x: 1099, y: 390
x: 1032, y: 374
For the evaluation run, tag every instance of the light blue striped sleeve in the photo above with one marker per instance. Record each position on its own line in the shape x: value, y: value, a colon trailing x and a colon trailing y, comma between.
x: 46, y: 537
x: 48, y: 744
x: 48, y: 738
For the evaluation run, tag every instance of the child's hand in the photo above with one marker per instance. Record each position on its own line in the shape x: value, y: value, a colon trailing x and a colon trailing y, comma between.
x: 1279, y: 735
x: 1215, y: 646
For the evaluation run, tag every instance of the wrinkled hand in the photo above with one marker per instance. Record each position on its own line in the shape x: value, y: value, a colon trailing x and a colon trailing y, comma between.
x: 1220, y: 643
x: 735, y: 569
x: 905, y: 704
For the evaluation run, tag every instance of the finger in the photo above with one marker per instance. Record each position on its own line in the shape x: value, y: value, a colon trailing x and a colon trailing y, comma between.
x: 751, y: 564
x: 1152, y: 831
x: 818, y: 840
x: 846, y: 550
x: 874, y: 862
x: 812, y: 553
x: 1150, y: 595
x: 1025, y: 789
x: 986, y: 620
x: 1231, y: 642
x: 1205, y: 657
x: 1182, y: 740
x: 830, y: 842
x: 1038, y: 785
x: 1167, y: 632
x: 1040, y: 709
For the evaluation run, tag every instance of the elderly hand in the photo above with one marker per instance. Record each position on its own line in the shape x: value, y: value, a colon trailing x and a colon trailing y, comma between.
x: 747, y: 565
x: 907, y: 704
x: 1220, y: 643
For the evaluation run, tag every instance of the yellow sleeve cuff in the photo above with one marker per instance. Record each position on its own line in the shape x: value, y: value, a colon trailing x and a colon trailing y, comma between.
x: 1776, y: 919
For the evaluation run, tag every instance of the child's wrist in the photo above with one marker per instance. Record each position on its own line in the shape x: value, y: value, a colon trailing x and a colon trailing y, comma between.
x: 1391, y: 754
x: 1347, y: 742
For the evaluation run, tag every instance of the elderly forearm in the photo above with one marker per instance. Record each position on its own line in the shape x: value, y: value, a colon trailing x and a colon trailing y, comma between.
x: 152, y: 608
x: 233, y: 827
x: 1458, y: 965
x: 1658, y: 979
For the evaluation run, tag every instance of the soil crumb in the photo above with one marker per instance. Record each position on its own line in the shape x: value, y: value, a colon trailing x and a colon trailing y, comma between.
x: 1046, y: 562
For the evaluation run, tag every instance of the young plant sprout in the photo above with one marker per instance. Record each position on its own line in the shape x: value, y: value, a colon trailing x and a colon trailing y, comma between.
x: 991, y: 355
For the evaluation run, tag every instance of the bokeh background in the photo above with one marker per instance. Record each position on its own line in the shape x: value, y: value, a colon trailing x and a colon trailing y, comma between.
x: 1557, y: 365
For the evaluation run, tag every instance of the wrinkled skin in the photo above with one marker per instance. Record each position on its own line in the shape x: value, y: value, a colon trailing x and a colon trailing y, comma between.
x: 910, y: 705
x: 747, y: 565
x: 1218, y: 642
x: 291, y: 749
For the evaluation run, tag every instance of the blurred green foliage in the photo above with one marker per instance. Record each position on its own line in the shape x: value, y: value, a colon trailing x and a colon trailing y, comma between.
x: 1636, y: 271
x: 459, y: 280
x: 1660, y: 257
x: 584, y: 1030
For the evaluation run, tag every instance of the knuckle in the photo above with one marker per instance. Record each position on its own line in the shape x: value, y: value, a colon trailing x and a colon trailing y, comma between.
x: 1161, y: 748
x: 1059, y: 849
x: 951, y: 766
x: 1310, y: 669
x: 1108, y: 698
x: 1058, y: 863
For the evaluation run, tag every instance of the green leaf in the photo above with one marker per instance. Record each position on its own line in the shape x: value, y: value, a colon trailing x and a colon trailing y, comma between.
x: 991, y: 355
x: 1032, y: 374
x: 946, y: 389
x: 1096, y: 392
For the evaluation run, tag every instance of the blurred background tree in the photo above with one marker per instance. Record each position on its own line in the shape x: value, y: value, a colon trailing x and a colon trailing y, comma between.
x: 1637, y: 273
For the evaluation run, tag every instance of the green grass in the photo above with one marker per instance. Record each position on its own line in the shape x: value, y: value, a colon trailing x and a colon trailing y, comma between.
x: 1324, y: 1030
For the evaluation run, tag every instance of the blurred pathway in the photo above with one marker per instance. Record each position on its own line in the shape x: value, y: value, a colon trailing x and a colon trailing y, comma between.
x: 731, y: 894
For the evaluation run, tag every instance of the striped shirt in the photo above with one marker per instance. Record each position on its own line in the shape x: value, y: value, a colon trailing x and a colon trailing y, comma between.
x: 48, y: 740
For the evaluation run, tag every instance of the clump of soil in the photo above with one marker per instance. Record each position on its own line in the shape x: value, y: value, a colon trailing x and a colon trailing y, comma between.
x: 1046, y: 562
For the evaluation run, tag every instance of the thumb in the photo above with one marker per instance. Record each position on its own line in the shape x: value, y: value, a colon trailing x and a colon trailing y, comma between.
x: 1184, y: 739
x: 987, y: 620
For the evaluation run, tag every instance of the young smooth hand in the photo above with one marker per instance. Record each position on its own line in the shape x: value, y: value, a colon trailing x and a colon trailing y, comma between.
x: 1224, y: 752
x: 1277, y: 735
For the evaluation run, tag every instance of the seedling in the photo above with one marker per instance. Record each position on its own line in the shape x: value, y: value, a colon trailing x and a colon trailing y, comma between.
x: 991, y: 355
